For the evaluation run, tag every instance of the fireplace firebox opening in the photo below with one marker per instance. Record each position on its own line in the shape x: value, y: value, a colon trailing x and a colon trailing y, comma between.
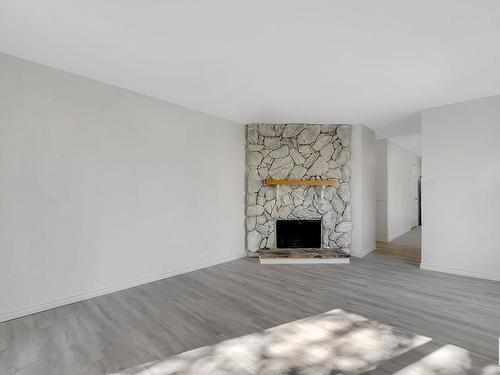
x: 298, y: 234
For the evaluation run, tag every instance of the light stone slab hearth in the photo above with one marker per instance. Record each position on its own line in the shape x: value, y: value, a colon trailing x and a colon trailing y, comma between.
x: 304, y: 256
x: 301, y: 152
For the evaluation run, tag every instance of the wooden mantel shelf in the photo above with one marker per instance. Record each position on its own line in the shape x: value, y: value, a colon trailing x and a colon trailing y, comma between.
x: 303, y: 182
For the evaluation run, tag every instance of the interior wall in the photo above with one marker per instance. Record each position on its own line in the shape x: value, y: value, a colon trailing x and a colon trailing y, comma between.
x: 460, y: 189
x: 363, y: 185
x: 400, y: 202
x: 102, y: 189
x: 395, y: 202
x: 381, y: 190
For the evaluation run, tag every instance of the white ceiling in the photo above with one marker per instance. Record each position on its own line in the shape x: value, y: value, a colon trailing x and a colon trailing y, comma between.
x: 372, y: 62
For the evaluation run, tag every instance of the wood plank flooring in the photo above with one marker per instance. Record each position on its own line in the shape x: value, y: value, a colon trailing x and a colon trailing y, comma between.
x: 154, y: 321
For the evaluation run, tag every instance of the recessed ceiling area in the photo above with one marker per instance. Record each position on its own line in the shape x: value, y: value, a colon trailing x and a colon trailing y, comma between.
x: 373, y: 62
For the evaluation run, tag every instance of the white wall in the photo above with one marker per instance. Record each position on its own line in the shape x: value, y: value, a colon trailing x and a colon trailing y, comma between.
x: 381, y: 190
x: 461, y: 188
x: 400, y: 201
x: 102, y: 188
x: 395, y: 202
x: 362, y: 190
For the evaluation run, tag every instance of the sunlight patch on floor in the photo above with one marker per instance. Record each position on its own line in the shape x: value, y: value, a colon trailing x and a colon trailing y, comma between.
x: 448, y: 360
x: 335, y: 341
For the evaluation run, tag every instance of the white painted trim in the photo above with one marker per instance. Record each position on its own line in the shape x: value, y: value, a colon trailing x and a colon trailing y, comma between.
x: 362, y: 253
x: 28, y: 310
x: 455, y: 271
x: 304, y: 261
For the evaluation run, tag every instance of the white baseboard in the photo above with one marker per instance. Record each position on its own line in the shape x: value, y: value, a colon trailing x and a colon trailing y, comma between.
x: 304, y: 261
x: 28, y: 310
x: 361, y: 253
x: 455, y: 271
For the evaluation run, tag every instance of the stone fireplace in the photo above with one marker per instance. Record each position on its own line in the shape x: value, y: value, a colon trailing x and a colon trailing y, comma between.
x: 298, y: 152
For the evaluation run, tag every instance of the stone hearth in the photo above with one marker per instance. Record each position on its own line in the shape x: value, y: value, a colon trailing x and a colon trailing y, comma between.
x: 304, y: 256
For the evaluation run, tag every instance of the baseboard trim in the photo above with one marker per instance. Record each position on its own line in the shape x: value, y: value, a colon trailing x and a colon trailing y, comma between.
x: 28, y: 310
x: 362, y: 253
x: 455, y: 271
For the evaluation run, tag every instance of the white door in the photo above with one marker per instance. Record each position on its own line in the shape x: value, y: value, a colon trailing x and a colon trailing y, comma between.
x: 414, y: 195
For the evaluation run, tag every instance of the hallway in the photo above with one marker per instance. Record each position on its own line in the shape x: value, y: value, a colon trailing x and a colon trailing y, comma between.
x: 406, y: 248
x: 412, y: 239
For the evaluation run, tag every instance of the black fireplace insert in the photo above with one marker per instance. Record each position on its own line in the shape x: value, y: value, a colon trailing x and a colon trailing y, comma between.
x: 298, y: 234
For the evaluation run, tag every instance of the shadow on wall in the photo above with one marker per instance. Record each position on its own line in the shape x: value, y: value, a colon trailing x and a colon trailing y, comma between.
x: 334, y: 342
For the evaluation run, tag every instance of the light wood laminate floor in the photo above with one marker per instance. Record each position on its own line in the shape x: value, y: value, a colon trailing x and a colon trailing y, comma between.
x: 153, y: 321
